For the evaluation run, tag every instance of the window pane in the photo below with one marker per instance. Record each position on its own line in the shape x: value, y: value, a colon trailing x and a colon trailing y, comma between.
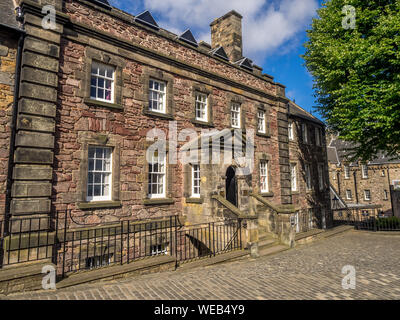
x: 93, y: 92
x: 100, y: 93
x: 91, y: 165
x: 99, y: 165
x: 97, y: 190
x: 102, y: 71
x: 97, y: 178
x: 90, y: 190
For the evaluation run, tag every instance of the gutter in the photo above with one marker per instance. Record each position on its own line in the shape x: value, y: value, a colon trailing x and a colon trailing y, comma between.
x: 13, y: 128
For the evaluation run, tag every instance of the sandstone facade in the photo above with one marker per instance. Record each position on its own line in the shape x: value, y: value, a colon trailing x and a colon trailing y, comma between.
x: 58, y: 120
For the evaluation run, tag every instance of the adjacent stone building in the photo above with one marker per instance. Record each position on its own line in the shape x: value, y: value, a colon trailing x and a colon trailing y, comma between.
x: 10, y: 36
x: 372, y: 186
x: 97, y: 82
x: 308, y: 169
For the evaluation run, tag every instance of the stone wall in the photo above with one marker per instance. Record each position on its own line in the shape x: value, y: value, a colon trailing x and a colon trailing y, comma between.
x: 8, y: 57
x: 127, y: 128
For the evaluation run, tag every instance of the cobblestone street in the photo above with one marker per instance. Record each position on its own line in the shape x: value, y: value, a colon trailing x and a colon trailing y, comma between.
x: 308, y: 272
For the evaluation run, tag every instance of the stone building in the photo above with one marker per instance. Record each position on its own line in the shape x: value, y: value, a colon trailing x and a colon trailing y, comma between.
x: 373, y: 186
x: 309, y: 169
x: 97, y: 82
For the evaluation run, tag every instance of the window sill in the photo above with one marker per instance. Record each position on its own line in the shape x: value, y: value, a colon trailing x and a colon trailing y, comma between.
x: 99, y: 205
x: 202, y: 123
x: 265, y: 135
x: 195, y: 200
x: 158, y: 114
x: 295, y: 192
x: 96, y: 103
x: 267, y: 194
x: 155, y: 202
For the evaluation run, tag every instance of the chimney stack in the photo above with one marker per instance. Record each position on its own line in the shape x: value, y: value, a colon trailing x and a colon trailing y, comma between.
x: 227, y: 32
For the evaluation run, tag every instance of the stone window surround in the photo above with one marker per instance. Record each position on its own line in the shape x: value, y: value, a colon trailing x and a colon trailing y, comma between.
x: 93, y: 139
x: 156, y: 74
x: 264, y: 157
x: 233, y: 98
x: 168, y: 200
x: 262, y: 107
x: 107, y: 59
x: 201, y: 88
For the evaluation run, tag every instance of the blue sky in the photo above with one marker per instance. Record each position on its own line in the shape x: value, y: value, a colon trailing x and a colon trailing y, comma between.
x: 273, y: 33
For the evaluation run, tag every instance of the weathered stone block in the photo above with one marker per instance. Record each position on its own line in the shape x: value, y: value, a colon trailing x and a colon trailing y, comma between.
x: 42, y: 33
x: 39, y: 76
x: 34, y: 139
x: 33, y: 156
x: 37, y: 107
x: 3, y: 51
x: 39, y: 61
x: 32, y: 172
x: 42, y: 47
x: 35, y: 123
x: 36, y: 21
x: 30, y: 206
x: 30, y: 90
x: 31, y: 189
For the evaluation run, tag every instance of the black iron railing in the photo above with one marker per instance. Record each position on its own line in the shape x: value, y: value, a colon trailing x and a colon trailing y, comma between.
x: 73, y: 247
x: 207, y: 240
x: 366, y: 221
x: 27, y: 239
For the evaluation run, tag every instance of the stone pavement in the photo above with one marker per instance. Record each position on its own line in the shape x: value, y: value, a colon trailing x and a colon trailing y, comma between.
x: 313, y: 271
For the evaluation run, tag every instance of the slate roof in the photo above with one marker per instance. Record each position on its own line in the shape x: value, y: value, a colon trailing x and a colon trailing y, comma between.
x: 7, y: 15
x: 338, y: 149
x: 297, y: 111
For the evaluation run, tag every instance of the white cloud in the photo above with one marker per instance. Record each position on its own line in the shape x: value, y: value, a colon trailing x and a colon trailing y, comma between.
x: 267, y: 25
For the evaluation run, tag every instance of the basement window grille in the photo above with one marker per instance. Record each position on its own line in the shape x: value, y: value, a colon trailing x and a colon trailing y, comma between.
x: 98, y: 261
x: 159, y: 250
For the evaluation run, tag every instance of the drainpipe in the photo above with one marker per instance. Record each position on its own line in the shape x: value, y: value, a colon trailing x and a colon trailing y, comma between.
x: 355, y: 185
x: 390, y: 191
x: 13, y: 130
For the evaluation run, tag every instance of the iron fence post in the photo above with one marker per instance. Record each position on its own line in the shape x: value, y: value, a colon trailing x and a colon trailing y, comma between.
x: 213, y: 237
x: 209, y: 238
x: 65, y: 241
x: 122, y: 241
x: 176, y: 242
x: 240, y: 233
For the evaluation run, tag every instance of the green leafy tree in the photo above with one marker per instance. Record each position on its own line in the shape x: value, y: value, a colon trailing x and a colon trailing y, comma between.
x: 357, y: 73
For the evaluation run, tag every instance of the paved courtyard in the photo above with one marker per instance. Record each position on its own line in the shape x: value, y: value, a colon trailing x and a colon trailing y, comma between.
x: 312, y: 271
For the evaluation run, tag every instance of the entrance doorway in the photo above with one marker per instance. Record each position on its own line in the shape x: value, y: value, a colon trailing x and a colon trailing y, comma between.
x: 231, y: 186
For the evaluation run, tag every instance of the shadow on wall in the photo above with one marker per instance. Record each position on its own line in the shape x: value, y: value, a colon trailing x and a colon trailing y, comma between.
x: 316, y: 199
